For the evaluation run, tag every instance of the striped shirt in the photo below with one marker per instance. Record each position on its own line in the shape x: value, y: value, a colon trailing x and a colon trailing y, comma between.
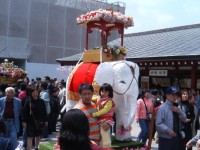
x: 94, y: 134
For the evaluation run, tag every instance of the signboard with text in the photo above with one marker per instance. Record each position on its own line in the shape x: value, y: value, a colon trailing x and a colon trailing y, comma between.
x: 158, y: 73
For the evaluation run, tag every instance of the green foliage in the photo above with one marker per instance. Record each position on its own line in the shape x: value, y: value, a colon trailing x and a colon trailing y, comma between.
x: 47, y: 145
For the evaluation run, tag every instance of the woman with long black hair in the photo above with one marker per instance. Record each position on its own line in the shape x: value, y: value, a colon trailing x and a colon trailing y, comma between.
x: 34, y: 118
x: 186, y: 127
x: 74, y: 132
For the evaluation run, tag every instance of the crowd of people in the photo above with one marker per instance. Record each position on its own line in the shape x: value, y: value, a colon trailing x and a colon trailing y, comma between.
x: 31, y: 110
x: 176, y: 117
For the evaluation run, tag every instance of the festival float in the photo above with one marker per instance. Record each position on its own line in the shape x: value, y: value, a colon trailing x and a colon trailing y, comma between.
x: 10, y: 73
x: 104, y: 21
x: 107, y: 64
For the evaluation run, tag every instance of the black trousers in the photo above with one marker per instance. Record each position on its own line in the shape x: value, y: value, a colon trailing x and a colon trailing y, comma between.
x: 168, y: 144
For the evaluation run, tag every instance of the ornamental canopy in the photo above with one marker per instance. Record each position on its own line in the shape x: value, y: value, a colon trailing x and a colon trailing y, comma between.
x: 104, y: 21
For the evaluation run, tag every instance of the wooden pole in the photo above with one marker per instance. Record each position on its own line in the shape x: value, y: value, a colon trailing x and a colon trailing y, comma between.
x: 87, y: 32
x: 193, y: 77
x: 151, y: 128
x: 122, y: 36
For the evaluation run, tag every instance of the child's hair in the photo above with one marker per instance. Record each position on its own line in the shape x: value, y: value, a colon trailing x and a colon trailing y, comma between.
x: 74, y: 131
x: 106, y: 87
x: 2, y: 126
x: 85, y: 86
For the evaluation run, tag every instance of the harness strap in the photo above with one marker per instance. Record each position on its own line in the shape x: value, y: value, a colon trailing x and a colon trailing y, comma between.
x: 133, y: 73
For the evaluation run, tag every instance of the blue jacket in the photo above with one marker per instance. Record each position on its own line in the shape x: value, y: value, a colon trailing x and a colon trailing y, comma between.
x: 17, y: 109
x: 164, y: 119
x: 5, y: 143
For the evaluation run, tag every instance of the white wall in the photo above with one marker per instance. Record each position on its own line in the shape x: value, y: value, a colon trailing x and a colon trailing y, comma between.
x: 40, y: 70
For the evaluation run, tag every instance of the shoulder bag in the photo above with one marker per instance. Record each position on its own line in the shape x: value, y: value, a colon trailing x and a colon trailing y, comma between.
x: 148, y: 113
x: 39, y: 124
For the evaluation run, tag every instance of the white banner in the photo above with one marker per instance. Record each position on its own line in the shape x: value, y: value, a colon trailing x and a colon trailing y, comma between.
x: 158, y: 73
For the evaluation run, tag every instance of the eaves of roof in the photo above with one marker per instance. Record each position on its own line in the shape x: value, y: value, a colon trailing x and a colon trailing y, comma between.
x: 167, y: 44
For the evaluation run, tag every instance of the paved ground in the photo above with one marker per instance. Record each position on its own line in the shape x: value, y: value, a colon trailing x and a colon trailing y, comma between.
x: 135, y: 131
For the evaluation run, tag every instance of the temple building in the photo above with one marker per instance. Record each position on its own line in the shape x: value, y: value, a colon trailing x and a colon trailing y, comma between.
x: 166, y: 57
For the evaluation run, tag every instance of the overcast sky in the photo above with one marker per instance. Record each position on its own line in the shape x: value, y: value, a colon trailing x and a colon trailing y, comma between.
x: 158, y: 14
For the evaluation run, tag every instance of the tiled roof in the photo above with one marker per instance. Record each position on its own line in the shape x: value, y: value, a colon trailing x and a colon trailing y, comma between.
x: 170, y: 42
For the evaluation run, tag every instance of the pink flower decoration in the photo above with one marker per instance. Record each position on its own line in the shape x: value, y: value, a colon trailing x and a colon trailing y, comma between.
x: 107, y: 15
x: 122, y: 130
